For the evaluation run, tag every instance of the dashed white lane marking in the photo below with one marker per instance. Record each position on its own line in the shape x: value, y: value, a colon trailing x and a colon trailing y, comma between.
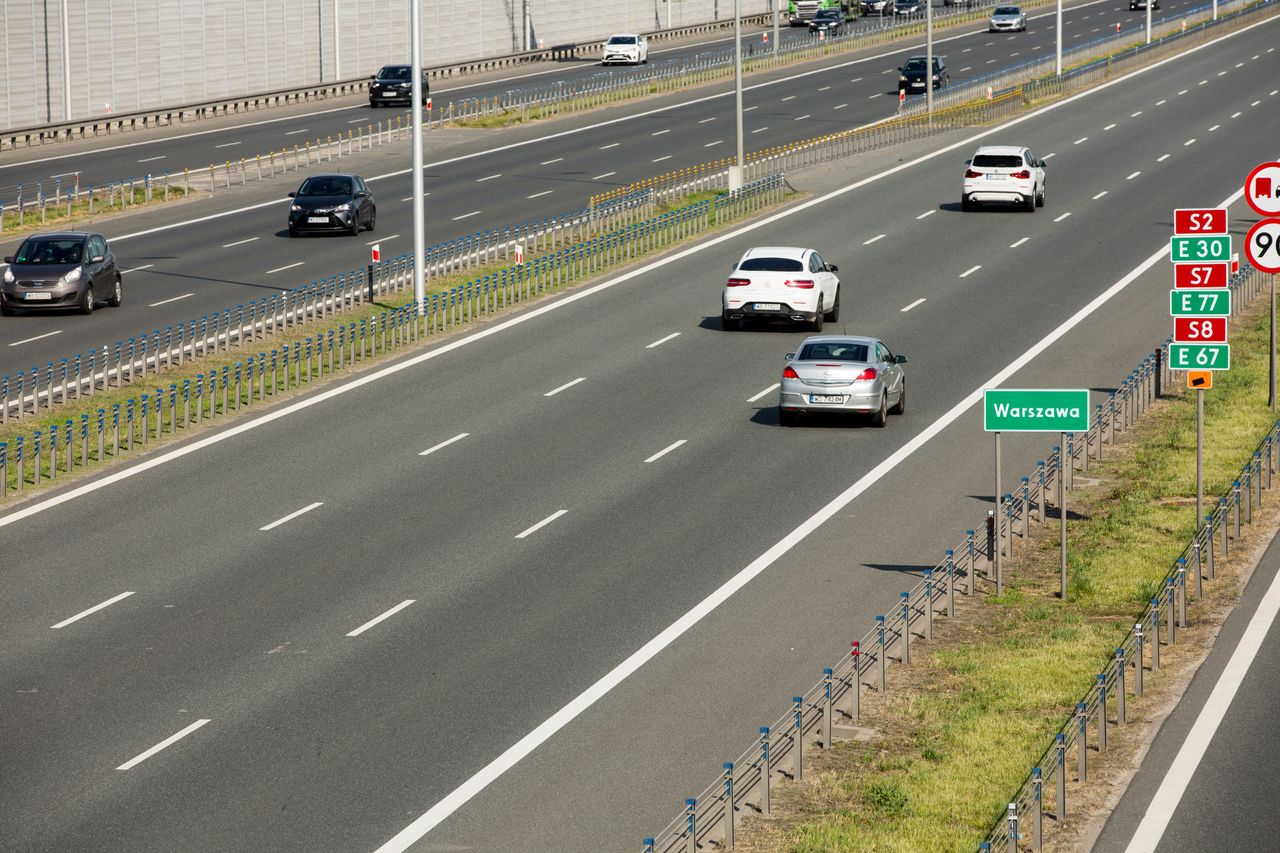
x: 749, y: 109
x: 1222, y: 73
x: 282, y: 269
x: 1162, y: 158
x: 801, y: 118
x: 855, y: 80
x: 1108, y: 127
x: 839, y: 106
x: 153, y: 159
x: 169, y: 741
x: 927, y: 213
x: 660, y: 341
x: 991, y: 62
x: 1161, y: 102
x: 660, y: 159
x: 444, y: 444
x: 1135, y: 115
x: 610, y: 145
x: 789, y: 98
x: 1051, y: 155
x: 712, y: 144
x: 295, y: 132
x: 488, y: 178
x: 36, y: 338
x: 467, y: 215
x: 824, y: 88
x: 1063, y: 216
x: 760, y: 129
x: 774, y: 387
x: 873, y: 239
x: 1099, y: 195
x: 1134, y: 175
x: 291, y: 516
x: 379, y: 618
x: 877, y: 94
x: 605, y: 175
x: 1255, y: 103
x: 355, y: 121
x: 966, y: 68
x: 1202, y: 82
x: 971, y: 270
x: 172, y: 299
x: 227, y: 145
x: 238, y: 242
x: 137, y: 269
x: 541, y: 194
x: 549, y: 162
x: 705, y: 120
x: 966, y: 50
x: 1019, y: 243
x: 555, y: 391
x: 660, y: 132
x: 919, y: 301
x: 1236, y: 115
x: 1189, y: 142
x: 382, y: 239
x: 1081, y: 139
x: 664, y: 451
x: 1215, y: 127
x: 1184, y: 91
x: 94, y: 609
x: 541, y: 524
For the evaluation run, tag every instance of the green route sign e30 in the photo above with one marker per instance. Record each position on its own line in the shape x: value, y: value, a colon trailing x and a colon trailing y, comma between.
x: 1035, y: 410
x: 1199, y: 356
x: 1208, y: 248
x: 1200, y: 302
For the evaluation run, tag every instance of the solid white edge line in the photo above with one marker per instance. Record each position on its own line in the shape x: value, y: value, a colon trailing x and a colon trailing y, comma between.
x: 919, y: 301
x: 660, y: 341
x: 1165, y: 802
x: 774, y: 387
x: 169, y: 741
x: 444, y: 444
x: 94, y: 609
x: 555, y: 391
x: 291, y: 516
x: 167, y: 301
x: 375, y: 620
x: 541, y: 524
x: 664, y: 451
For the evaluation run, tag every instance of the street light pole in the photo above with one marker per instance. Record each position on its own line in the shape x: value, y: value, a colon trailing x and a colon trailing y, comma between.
x: 928, y: 59
x: 735, y: 173
x: 66, y: 64
x: 1058, y: 34
x: 415, y: 114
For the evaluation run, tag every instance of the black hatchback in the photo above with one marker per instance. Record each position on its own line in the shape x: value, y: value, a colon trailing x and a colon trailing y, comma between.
x: 71, y: 269
x: 332, y: 203
x: 393, y: 84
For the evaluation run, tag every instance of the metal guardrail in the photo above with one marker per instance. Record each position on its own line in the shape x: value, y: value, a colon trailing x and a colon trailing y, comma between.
x: 745, y: 783
x: 41, y: 455
x: 107, y: 125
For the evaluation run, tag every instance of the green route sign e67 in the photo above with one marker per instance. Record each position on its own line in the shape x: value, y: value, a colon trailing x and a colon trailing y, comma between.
x: 1206, y: 248
x: 1035, y: 410
x: 1199, y: 356
x: 1200, y: 302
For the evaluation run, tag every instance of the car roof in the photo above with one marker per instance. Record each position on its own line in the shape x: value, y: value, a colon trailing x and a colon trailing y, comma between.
x: 1000, y: 149
x: 628, y: 35
x: 333, y: 175
x: 776, y: 252
x: 62, y: 235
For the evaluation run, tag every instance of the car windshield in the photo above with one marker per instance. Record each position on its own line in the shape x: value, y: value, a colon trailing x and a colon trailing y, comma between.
x: 998, y: 161
x: 771, y: 265
x: 916, y: 65
x: 622, y: 40
x: 325, y: 186
x: 834, y: 352
x: 1008, y: 10
x: 48, y: 250
x: 394, y: 72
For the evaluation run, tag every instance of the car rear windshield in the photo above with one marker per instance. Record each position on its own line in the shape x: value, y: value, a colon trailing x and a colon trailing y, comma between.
x: 998, y: 161
x: 1007, y: 10
x: 622, y: 40
x: 833, y: 14
x: 325, y: 186
x: 46, y: 250
x: 395, y: 72
x: 771, y: 265
x: 834, y: 352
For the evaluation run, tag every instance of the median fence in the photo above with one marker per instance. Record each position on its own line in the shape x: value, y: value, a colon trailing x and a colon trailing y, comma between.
x: 56, y: 446
x: 811, y: 719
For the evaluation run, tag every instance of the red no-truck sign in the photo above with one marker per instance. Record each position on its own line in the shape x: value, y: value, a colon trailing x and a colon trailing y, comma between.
x: 1200, y: 330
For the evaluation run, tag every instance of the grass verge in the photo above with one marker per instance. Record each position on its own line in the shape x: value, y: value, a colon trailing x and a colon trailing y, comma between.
x: 66, y: 210
x: 957, y: 734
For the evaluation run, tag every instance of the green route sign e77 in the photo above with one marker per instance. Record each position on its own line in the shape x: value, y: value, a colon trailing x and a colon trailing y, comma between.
x: 1206, y: 248
x: 1035, y: 410
x: 1200, y: 302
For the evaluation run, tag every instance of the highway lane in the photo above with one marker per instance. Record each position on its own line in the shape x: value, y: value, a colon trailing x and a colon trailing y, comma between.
x: 502, y: 630
x: 211, y: 265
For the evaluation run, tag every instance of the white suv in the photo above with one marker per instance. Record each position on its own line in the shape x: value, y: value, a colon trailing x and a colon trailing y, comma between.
x: 625, y: 48
x: 1003, y: 173
x: 777, y: 283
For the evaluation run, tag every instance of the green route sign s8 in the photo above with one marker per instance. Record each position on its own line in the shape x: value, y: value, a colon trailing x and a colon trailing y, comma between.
x: 1200, y: 302
x: 1035, y: 410
x: 1207, y: 248
x: 1199, y: 356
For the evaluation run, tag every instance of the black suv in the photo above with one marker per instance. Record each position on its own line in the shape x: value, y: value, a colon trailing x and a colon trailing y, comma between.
x: 332, y: 203
x: 829, y: 21
x: 912, y: 74
x: 393, y: 84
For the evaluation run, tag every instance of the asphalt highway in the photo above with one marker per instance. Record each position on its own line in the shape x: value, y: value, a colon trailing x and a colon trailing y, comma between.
x: 307, y: 634
x: 205, y: 256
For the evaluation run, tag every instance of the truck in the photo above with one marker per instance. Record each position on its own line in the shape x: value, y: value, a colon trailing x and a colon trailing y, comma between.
x: 800, y: 12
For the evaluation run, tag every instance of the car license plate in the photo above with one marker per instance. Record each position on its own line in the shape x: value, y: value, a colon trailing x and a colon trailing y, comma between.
x: 318, y: 219
x: 767, y: 306
x: 995, y: 177
x: 37, y: 296
x: 826, y: 398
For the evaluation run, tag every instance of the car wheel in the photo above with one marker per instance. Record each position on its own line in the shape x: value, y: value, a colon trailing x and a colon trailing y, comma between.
x: 834, y: 314
x: 1040, y: 198
x: 729, y: 324
x: 816, y: 323
x: 965, y: 203
x: 787, y: 418
x: 1029, y: 203
x: 114, y: 299
x: 86, y: 300
x: 881, y: 415
x: 293, y: 232
x: 6, y: 311
x: 900, y: 407
x: 355, y: 225
x: 373, y: 219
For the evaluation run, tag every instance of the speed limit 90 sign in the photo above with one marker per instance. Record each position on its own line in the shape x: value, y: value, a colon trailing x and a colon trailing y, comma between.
x: 1262, y: 245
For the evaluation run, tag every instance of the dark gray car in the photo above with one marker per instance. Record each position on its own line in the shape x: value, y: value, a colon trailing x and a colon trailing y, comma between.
x: 332, y: 203
x: 71, y: 269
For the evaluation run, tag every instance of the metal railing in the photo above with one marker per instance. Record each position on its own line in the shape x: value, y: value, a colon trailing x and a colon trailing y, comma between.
x: 50, y: 448
x: 745, y: 783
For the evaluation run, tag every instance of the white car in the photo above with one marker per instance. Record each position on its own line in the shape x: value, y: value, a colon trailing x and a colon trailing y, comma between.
x: 781, y: 283
x: 1003, y: 173
x: 630, y: 48
x: 1006, y: 18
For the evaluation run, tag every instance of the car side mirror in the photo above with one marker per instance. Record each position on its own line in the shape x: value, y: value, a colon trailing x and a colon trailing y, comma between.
x: 362, y: 194
x: 789, y: 356
x: 291, y: 195
x: 1043, y: 165
x: 97, y: 259
x: 832, y: 268
x: 899, y: 359
x: 968, y: 162
x: 8, y: 259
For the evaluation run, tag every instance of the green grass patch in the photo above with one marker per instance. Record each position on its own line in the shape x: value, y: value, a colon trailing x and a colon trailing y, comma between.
x: 65, y: 211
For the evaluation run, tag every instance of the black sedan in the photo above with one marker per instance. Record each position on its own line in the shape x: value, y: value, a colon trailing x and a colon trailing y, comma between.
x: 332, y: 203
x: 828, y: 21
x: 911, y: 76
x: 393, y: 84
x: 71, y: 269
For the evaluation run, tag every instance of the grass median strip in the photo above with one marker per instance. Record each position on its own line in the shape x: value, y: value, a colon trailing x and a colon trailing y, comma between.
x: 956, y: 733
x: 81, y: 206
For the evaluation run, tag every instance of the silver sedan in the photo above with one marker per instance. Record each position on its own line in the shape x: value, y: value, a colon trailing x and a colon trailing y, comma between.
x: 837, y: 373
x: 1007, y: 18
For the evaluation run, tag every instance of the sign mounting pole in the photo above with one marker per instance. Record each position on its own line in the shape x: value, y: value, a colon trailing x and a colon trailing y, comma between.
x: 998, y: 542
x: 1062, y: 517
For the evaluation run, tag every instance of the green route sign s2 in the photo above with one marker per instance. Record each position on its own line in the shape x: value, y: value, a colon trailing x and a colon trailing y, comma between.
x: 1208, y: 248
x: 1035, y: 410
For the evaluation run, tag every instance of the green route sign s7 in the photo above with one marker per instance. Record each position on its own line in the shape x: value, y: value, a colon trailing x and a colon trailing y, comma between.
x: 1035, y: 410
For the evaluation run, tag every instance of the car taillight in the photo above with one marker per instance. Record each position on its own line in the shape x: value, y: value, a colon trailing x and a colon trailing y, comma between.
x: 739, y: 282
x: 869, y: 373
x: 1024, y: 175
x: 789, y: 372
x: 802, y: 283
x: 969, y: 173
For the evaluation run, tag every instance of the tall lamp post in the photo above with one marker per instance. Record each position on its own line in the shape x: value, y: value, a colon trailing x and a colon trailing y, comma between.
x: 735, y: 171
x: 415, y: 115
x: 928, y: 59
